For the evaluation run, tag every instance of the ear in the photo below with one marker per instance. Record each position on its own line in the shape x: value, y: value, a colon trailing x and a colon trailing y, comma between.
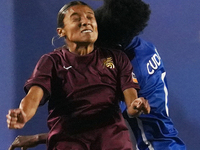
x: 61, y: 32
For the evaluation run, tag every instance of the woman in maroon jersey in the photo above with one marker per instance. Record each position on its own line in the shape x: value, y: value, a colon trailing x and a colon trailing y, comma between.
x: 82, y: 84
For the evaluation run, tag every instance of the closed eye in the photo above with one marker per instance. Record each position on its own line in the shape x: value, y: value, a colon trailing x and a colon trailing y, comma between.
x: 76, y: 18
x: 90, y: 16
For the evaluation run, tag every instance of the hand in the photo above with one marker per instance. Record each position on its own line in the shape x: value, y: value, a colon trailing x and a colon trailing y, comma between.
x: 24, y: 142
x: 139, y: 106
x: 16, y: 119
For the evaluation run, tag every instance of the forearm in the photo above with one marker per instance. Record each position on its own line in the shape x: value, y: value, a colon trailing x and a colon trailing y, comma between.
x: 42, y: 138
x: 28, y: 109
x: 135, y: 105
x: 17, y: 118
x: 129, y: 96
x: 30, y: 102
x: 28, y: 141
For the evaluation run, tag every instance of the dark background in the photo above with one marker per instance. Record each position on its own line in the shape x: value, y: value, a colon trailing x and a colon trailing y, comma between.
x: 27, y: 27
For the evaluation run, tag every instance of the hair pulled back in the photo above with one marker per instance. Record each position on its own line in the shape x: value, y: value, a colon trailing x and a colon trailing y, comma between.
x: 63, y: 10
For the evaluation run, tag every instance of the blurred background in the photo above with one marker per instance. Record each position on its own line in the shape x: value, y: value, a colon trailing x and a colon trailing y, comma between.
x: 27, y: 28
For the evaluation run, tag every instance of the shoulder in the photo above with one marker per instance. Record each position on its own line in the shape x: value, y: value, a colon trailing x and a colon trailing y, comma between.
x: 55, y: 54
x: 141, y: 48
x: 146, y: 56
x: 146, y: 45
x: 141, y: 44
x: 52, y: 57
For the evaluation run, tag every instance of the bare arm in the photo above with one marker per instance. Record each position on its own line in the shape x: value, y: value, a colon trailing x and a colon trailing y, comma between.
x: 17, y: 118
x: 29, y: 141
x: 135, y: 105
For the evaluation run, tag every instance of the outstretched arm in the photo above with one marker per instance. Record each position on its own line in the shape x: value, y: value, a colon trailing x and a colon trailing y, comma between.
x: 135, y: 105
x: 17, y: 118
x: 25, y: 142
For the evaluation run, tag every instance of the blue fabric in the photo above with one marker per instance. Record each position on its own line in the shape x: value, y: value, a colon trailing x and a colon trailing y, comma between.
x: 154, y: 131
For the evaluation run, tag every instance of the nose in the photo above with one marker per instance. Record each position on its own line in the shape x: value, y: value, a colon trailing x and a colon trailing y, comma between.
x: 85, y: 21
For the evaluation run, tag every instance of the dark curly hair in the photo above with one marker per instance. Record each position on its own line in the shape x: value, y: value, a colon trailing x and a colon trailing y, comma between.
x: 119, y: 21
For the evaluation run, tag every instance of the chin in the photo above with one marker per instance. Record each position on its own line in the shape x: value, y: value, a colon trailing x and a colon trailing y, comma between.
x: 91, y: 40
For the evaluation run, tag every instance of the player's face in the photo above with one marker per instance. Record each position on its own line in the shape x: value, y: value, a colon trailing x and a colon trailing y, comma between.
x: 80, y: 25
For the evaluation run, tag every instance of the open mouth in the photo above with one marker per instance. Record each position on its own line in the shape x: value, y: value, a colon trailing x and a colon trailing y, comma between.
x: 86, y: 31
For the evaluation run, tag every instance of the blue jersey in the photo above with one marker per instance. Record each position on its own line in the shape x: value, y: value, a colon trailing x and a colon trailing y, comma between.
x: 154, y: 131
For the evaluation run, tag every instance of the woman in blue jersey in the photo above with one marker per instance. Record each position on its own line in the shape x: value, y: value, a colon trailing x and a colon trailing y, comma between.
x: 119, y: 23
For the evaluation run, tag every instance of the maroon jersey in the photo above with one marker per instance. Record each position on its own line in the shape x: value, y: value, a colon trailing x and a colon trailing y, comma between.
x: 83, y: 91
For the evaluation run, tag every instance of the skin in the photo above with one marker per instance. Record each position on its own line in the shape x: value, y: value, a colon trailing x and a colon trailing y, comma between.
x: 80, y: 32
x: 28, y: 141
x: 17, y: 118
x: 135, y: 106
x: 80, y: 29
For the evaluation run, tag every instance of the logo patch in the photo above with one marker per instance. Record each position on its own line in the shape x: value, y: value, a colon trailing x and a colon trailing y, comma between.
x: 67, y: 68
x: 134, y: 78
x: 108, y: 62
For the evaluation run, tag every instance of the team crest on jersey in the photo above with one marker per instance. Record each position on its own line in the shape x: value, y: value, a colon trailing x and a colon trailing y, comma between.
x: 134, y: 78
x: 108, y: 62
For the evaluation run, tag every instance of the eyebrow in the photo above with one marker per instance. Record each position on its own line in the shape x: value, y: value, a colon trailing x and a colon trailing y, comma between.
x: 75, y: 13
x: 90, y: 12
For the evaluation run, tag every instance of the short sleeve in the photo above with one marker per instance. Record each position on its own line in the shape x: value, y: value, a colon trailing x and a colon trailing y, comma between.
x: 126, y: 73
x: 41, y: 76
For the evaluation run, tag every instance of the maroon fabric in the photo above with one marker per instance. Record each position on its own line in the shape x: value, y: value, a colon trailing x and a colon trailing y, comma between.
x: 111, y: 137
x: 83, y: 91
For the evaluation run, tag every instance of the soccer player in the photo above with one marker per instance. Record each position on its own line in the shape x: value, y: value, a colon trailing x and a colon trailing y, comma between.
x: 119, y: 24
x: 83, y: 84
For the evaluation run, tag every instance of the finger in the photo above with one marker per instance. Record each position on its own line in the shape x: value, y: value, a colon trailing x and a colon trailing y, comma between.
x: 24, y: 148
x: 11, y: 122
x: 138, y: 104
x: 13, y: 125
x: 10, y: 116
x: 148, y: 107
x: 13, y: 112
x: 11, y: 147
x: 145, y: 107
x: 16, y: 142
x: 11, y: 119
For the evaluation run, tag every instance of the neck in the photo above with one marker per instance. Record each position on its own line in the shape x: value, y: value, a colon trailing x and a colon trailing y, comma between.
x: 81, y: 49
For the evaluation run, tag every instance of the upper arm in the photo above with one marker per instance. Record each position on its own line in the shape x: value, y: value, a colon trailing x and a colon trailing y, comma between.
x: 41, y: 77
x: 126, y: 73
